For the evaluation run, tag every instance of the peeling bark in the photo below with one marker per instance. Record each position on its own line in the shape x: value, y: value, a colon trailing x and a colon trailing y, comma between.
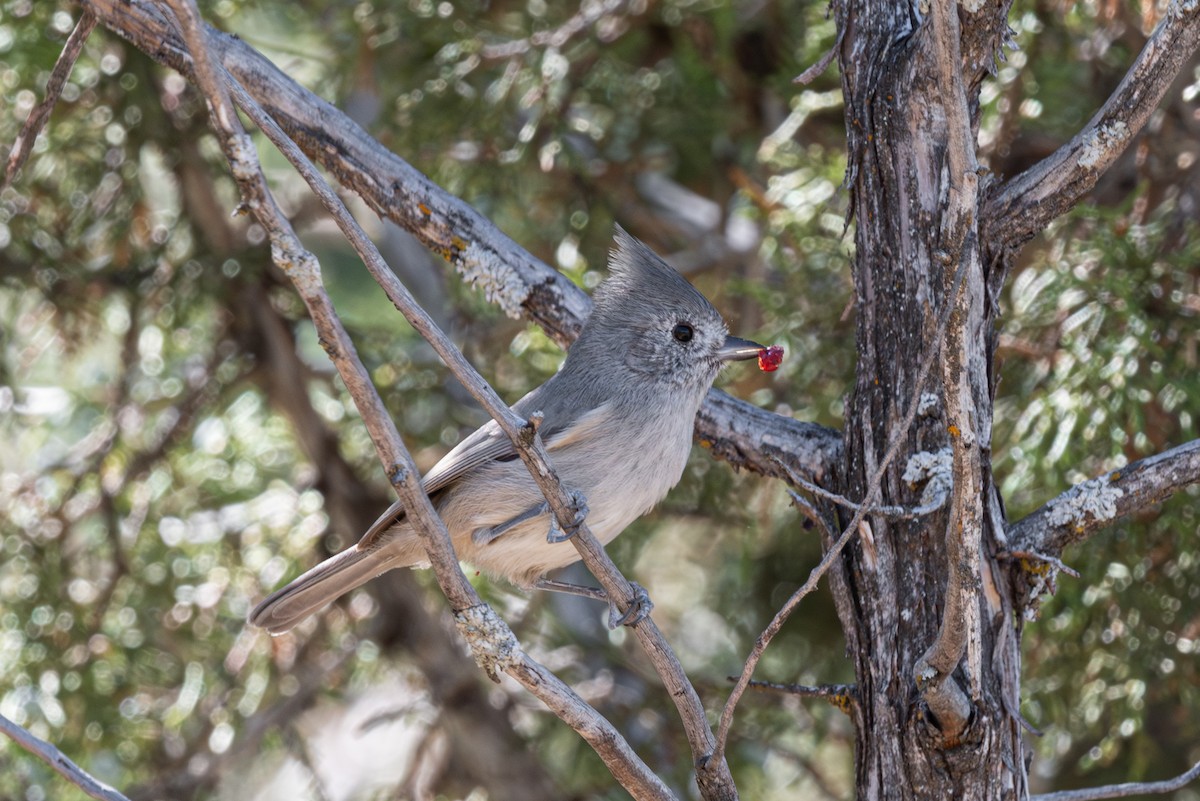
x: 936, y: 659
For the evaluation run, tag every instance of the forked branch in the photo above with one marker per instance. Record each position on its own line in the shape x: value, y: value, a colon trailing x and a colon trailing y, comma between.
x: 492, y: 642
x: 509, y: 276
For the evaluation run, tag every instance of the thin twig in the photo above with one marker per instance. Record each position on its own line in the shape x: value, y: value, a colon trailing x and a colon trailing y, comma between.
x: 595, y: 558
x: 492, y: 642
x: 1054, y: 562
x: 60, y: 762
x: 810, y: 511
x: 836, y: 694
x: 23, y: 145
x: 1122, y: 790
x: 810, y: 74
x: 890, y: 512
x: 557, y: 38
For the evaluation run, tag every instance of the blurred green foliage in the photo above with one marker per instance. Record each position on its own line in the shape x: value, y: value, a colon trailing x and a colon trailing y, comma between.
x: 153, y: 485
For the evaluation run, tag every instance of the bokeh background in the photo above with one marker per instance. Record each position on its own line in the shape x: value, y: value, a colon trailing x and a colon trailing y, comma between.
x: 175, y: 445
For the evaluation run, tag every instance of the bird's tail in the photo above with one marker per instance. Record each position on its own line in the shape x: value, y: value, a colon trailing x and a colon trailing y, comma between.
x: 328, y: 581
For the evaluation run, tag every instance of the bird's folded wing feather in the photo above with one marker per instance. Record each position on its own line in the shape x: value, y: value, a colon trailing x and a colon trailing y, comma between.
x: 487, y: 443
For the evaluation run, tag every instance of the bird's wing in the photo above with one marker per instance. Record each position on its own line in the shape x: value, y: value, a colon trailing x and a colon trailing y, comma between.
x: 487, y: 443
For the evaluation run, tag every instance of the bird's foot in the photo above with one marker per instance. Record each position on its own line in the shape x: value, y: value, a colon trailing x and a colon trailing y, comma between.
x: 556, y: 533
x: 638, y: 610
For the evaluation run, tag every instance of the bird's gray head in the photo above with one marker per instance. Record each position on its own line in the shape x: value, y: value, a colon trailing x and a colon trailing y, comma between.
x: 650, y: 322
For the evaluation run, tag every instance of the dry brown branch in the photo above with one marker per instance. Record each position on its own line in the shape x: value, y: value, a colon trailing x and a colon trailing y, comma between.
x: 1122, y: 790
x: 1094, y: 504
x: 840, y: 695
x: 37, y: 118
x: 1023, y: 206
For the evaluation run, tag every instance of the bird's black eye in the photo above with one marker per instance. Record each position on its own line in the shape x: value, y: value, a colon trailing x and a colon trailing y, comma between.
x: 683, y: 332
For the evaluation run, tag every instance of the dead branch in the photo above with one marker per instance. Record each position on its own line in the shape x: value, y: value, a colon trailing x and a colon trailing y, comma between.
x: 1095, y: 504
x: 1122, y: 790
x: 733, y: 429
x: 23, y: 145
x: 1023, y: 206
x: 61, y: 763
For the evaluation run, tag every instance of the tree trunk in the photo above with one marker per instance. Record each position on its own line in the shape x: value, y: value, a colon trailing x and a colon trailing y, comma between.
x: 919, y: 268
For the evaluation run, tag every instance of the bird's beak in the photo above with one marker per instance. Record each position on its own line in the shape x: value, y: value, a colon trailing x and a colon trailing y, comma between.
x: 736, y: 349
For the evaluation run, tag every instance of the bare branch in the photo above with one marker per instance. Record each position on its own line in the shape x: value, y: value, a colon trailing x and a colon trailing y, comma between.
x: 493, y: 643
x: 60, y: 762
x: 960, y: 630
x: 1034, y: 556
x: 821, y: 64
x: 36, y: 120
x: 594, y: 556
x: 1122, y: 790
x: 735, y: 430
x: 1094, y: 504
x: 891, y: 512
x: 1026, y: 204
x: 840, y: 695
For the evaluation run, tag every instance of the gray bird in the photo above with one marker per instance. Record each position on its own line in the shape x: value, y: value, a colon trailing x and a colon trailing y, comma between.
x: 617, y: 423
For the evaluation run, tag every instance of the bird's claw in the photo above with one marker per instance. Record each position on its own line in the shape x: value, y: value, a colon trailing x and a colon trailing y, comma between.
x: 556, y: 534
x: 638, y: 610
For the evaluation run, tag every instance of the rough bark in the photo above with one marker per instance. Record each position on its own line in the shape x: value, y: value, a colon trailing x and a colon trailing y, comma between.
x: 928, y: 610
x: 927, y: 621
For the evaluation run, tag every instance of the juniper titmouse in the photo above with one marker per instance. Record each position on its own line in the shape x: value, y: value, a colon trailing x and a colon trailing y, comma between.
x: 617, y: 423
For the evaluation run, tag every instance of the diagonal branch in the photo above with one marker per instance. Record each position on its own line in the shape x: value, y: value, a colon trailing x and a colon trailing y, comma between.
x: 493, y: 644
x: 23, y: 145
x: 1094, y: 504
x: 1026, y: 204
x: 530, y: 448
x: 736, y: 431
x: 60, y: 762
x: 1123, y: 790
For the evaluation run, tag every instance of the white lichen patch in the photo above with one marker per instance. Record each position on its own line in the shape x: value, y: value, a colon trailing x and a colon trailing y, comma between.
x: 972, y: 5
x: 300, y: 265
x: 928, y: 405
x: 935, y: 470
x: 1103, y: 140
x: 243, y: 158
x: 1181, y: 8
x: 494, y: 646
x: 501, y: 284
x: 1096, y: 498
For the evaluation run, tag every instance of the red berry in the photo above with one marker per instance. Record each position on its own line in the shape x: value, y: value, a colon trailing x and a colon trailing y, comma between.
x: 770, y: 358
